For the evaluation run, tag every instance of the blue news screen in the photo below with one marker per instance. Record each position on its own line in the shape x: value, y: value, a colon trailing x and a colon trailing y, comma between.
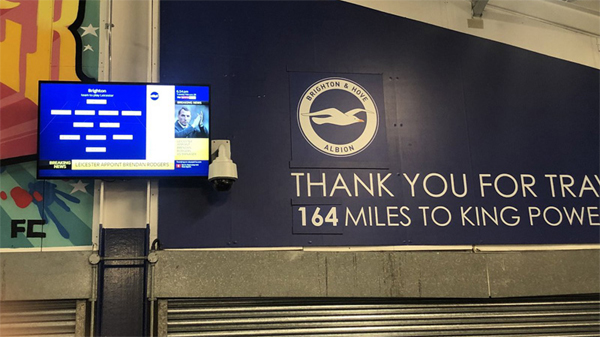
x: 107, y: 130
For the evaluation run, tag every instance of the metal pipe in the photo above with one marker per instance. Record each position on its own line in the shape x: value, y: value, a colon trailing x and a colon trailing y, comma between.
x: 150, y: 38
x: 477, y: 7
x: 110, y: 27
x: 148, y: 204
x: 154, y: 52
x: 151, y: 318
x: 552, y: 23
x: 101, y: 216
x: 151, y: 296
x: 94, y: 297
x: 92, y: 316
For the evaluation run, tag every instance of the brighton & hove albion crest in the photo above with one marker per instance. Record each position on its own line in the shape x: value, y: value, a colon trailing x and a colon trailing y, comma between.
x: 338, y: 117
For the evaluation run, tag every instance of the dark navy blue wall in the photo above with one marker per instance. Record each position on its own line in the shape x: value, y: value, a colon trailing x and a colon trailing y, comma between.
x: 453, y: 104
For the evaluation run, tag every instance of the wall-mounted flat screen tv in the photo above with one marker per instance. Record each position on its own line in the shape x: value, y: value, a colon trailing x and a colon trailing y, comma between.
x: 122, y: 130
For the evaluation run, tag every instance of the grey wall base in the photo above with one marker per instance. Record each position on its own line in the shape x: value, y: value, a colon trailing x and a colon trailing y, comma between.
x: 375, y: 274
x: 45, y: 276
x: 68, y: 275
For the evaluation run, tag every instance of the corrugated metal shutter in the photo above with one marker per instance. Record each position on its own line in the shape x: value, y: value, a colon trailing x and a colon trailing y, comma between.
x: 565, y: 316
x: 47, y: 318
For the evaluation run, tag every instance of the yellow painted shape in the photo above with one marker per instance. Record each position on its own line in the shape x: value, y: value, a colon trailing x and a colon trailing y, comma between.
x: 9, y: 56
x: 39, y: 62
x: 67, y: 41
x: 5, y: 4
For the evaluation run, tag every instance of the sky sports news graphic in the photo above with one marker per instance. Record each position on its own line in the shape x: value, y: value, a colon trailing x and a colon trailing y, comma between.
x: 122, y: 130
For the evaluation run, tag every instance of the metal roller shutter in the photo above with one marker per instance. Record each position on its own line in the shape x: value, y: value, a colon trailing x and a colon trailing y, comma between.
x: 43, y: 318
x: 562, y: 316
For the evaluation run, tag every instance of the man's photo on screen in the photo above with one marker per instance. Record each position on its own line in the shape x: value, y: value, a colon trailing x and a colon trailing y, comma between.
x: 190, y: 121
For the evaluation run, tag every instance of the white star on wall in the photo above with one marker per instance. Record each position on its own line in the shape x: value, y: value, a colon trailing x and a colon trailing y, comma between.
x: 78, y: 186
x: 89, y: 30
x: 87, y: 47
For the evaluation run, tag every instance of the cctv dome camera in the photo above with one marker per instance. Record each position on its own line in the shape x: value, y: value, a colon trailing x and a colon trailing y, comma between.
x: 223, y: 184
x: 222, y: 172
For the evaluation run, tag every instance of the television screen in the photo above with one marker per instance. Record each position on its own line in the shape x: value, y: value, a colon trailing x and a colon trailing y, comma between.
x: 121, y: 130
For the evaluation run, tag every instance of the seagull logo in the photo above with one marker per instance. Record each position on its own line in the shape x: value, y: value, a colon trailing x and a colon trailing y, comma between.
x: 336, y: 117
x: 324, y: 128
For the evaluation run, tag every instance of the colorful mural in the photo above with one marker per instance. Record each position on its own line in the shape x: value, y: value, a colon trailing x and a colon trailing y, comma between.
x: 43, y: 213
x: 41, y: 40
